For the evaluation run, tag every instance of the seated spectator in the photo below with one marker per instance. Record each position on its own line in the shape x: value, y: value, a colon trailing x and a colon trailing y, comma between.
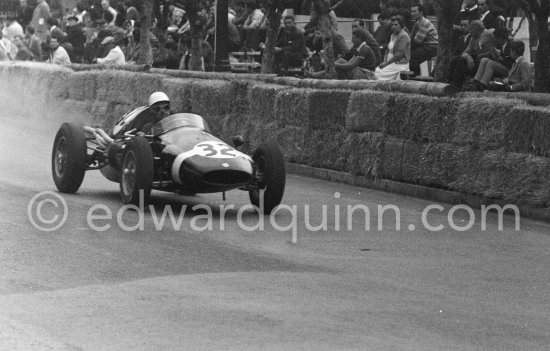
x: 233, y: 36
x: 106, y: 6
x: 4, y: 52
x: 8, y: 49
x: 54, y: 30
x: 242, y: 13
x: 480, y: 46
x: 58, y: 55
x: 369, y: 39
x: 362, y: 59
x: 23, y: 53
x: 24, y: 13
x: 469, y: 10
x: 171, y: 58
x: 12, y: 28
x: 251, y: 27
x: 499, y: 63
x: 424, y: 40
x: 490, y: 18
x: 57, y: 9
x: 132, y: 13
x: 290, y: 49
x: 520, y: 76
x: 339, y: 46
x: 399, y: 53
x: 461, y: 37
x: 315, y: 43
x: 34, y: 43
x: 383, y: 33
x: 115, y: 55
x: 76, y: 37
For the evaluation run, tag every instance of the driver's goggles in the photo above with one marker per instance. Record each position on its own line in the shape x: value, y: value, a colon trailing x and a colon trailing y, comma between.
x: 158, y: 108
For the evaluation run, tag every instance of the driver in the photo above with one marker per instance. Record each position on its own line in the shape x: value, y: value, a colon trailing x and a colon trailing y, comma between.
x: 159, y: 107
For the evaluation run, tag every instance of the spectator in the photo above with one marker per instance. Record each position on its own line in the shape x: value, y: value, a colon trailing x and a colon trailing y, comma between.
x: 76, y: 37
x: 34, y: 43
x: 109, y: 19
x: 23, y: 53
x: 383, y: 33
x: 393, y: 7
x: 463, y: 38
x: 132, y: 13
x: 80, y: 11
x: 39, y: 16
x: 399, y: 52
x: 290, y: 49
x: 58, y: 54
x: 251, y: 27
x: 480, y: 46
x: 106, y: 6
x: 171, y: 58
x: 12, y: 29
x: 54, y: 30
x: 115, y: 55
x: 369, y: 39
x: 361, y: 58
x: 233, y: 36
x: 339, y: 46
x: 489, y: 18
x: 499, y: 63
x: 520, y: 77
x: 5, y: 54
x: 423, y: 39
x: 469, y: 10
x: 57, y: 9
x: 242, y: 13
x: 24, y: 13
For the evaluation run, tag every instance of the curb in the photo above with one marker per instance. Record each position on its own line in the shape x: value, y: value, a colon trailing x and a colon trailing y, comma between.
x: 413, y: 190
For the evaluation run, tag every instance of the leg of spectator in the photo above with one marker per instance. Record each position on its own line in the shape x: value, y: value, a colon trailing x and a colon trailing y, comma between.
x: 277, y: 58
x: 488, y: 74
x: 481, y: 70
x: 461, y: 72
x: 419, y: 55
x: 499, y: 70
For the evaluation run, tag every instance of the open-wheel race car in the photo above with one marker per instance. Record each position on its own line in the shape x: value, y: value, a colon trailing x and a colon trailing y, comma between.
x: 180, y: 156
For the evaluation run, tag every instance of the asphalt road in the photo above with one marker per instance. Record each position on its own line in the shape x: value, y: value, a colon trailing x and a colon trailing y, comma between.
x: 190, y: 287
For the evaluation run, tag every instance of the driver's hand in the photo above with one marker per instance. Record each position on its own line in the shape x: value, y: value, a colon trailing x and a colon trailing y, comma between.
x: 140, y: 134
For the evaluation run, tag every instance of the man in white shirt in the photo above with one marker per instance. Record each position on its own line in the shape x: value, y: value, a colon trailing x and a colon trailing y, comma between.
x: 115, y: 55
x: 59, y: 55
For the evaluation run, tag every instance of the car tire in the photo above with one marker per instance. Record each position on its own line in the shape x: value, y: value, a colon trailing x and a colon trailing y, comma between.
x: 137, y: 171
x: 270, y: 173
x: 69, y: 157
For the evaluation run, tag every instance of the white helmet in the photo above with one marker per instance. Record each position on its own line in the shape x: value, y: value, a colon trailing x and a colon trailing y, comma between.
x: 158, y: 97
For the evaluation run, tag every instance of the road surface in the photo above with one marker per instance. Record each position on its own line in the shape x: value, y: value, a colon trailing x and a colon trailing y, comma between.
x: 233, y: 287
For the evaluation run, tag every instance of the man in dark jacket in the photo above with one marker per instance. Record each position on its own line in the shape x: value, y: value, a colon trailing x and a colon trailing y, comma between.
x: 498, y: 64
x: 369, y: 39
x: 290, y: 50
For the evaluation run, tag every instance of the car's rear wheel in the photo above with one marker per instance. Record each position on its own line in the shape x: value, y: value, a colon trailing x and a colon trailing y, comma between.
x: 270, y: 176
x: 137, y: 171
x: 69, y: 157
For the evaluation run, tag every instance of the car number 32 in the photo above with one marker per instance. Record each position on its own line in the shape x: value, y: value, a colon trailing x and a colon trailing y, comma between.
x: 215, y: 149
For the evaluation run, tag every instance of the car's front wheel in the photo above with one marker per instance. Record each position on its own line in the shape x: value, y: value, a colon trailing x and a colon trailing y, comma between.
x: 69, y: 157
x: 137, y: 171
x: 270, y: 176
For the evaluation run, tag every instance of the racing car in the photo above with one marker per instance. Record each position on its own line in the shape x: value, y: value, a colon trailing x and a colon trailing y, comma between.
x: 179, y: 156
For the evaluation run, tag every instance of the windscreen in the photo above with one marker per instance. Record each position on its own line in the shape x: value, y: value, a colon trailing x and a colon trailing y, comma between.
x: 180, y: 120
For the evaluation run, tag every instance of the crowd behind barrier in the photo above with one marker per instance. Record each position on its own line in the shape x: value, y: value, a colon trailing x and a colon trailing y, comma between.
x: 401, y: 40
